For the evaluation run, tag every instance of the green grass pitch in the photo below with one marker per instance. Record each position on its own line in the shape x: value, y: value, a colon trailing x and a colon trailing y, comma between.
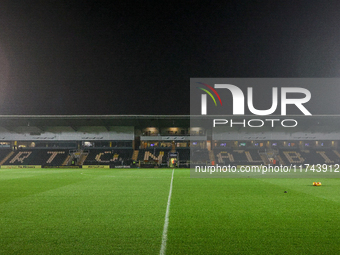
x: 111, y: 211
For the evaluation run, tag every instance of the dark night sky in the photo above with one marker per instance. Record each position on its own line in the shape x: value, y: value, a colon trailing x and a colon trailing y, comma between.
x: 104, y: 57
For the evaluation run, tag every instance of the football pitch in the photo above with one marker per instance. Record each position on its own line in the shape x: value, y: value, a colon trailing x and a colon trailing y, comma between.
x: 151, y: 211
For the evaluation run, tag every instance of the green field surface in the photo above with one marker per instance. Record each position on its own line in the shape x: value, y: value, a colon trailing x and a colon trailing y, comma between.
x: 122, y: 211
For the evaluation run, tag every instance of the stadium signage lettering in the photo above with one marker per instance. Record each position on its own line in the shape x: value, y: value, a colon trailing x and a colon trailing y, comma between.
x: 238, y: 100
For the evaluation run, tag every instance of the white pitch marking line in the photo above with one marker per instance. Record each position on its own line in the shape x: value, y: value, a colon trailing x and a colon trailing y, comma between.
x: 166, y: 221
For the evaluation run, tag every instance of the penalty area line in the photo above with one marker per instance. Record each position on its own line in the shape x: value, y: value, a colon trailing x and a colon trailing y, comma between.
x: 166, y: 220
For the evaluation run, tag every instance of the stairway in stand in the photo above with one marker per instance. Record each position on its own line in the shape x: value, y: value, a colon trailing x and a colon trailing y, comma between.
x: 135, y: 155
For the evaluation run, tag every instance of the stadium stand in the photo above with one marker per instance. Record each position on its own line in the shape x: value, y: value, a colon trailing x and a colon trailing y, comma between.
x: 229, y: 156
x: 4, y: 153
x: 120, y: 140
x: 311, y: 156
x: 159, y: 155
x: 240, y: 157
x: 224, y: 156
x: 108, y: 157
x: 184, y: 154
x: 55, y: 157
x: 42, y: 157
x: 253, y: 156
x: 199, y: 155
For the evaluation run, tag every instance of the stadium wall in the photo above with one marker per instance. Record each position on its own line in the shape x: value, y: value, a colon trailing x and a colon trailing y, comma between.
x: 270, y: 135
x: 173, y: 138
x: 68, y: 134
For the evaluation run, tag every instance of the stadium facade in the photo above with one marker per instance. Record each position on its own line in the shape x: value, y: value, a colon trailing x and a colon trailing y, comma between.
x: 123, y: 141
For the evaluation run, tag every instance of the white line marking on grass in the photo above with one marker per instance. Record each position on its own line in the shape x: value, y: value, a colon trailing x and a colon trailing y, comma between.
x: 166, y: 221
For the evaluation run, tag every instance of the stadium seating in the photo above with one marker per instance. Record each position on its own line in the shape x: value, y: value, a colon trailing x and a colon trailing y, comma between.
x: 229, y: 156
x: 160, y: 155
x: 224, y: 156
x: 4, y: 153
x: 311, y: 156
x: 184, y: 154
x: 54, y: 157
x: 199, y: 155
x: 108, y: 157
x: 37, y: 157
